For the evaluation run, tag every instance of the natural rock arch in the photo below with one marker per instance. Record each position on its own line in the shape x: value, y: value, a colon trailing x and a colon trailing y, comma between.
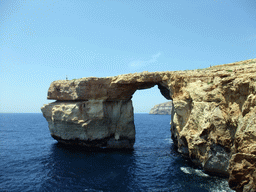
x: 97, y: 112
x: 214, y: 122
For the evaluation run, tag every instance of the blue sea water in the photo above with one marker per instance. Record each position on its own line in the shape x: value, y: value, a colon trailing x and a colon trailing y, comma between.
x: 31, y: 160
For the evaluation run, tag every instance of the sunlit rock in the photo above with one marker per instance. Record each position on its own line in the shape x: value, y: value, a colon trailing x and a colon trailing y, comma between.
x: 162, y: 109
x: 213, y: 115
x: 94, y: 123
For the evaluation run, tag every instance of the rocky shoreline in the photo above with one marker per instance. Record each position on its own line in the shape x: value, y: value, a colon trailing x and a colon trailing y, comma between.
x: 213, y: 115
x: 162, y: 109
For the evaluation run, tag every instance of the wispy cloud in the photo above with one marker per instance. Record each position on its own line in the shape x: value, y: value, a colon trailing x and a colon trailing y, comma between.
x: 142, y: 63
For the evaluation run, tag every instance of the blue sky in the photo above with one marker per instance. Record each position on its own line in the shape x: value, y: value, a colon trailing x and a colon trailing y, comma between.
x: 44, y: 40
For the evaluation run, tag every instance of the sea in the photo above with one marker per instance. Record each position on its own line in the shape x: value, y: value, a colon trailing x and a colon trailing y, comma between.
x: 31, y: 160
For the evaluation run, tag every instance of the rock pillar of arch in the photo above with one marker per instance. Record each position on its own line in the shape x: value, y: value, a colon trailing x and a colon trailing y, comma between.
x: 97, y: 112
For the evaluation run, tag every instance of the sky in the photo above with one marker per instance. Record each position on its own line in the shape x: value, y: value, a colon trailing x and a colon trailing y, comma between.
x: 46, y: 40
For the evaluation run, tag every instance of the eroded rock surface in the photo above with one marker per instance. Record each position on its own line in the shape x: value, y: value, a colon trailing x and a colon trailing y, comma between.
x: 213, y: 115
x: 162, y: 109
x: 243, y: 172
x: 215, y: 120
x: 94, y: 123
x: 120, y: 87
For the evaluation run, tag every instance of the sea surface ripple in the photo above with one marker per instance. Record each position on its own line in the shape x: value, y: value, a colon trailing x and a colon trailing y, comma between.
x: 31, y: 160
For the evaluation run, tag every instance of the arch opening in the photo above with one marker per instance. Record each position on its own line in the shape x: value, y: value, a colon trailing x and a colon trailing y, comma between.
x: 151, y: 129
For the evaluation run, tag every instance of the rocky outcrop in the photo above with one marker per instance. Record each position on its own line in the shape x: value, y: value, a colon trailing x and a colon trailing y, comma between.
x: 162, y: 109
x: 117, y: 88
x: 94, y: 123
x: 97, y: 112
x: 243, y: 172
x: 213, y: 115
x: 242, y: 167
x: 214, y: 122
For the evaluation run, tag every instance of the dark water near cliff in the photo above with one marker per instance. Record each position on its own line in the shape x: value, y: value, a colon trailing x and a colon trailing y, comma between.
x: 32, y: 161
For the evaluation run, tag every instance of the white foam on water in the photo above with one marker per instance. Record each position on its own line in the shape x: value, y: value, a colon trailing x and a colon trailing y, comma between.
x: 189, y: 170
x: 222, y: 187
x: 169, y: 140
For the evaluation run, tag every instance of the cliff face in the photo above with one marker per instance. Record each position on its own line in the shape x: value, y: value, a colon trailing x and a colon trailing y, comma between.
x: 213, y: 115
x: 162, y: 109
x: 93, y: 123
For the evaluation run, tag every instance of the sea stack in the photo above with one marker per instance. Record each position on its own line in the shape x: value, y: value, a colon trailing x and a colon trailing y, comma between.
x: 213, y: 115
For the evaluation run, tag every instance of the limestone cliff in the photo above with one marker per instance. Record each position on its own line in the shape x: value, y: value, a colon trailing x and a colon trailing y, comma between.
x: 162, y: 109
x: 213, y: 115
x: 93, y: 123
